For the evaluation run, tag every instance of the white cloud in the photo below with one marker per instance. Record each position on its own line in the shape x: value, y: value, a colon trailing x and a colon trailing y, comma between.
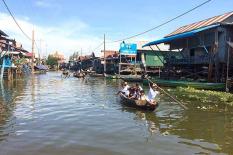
x: 66, y: 38
x: 43, y: 4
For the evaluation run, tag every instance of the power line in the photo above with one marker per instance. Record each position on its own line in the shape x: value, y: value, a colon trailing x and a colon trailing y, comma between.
x: 15, y: 20
x: 166, y: 22
x: 98, y: 46
x: 8, y: 9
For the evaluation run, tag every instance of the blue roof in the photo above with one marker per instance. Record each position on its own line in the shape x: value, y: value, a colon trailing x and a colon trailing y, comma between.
x: 180, y: 36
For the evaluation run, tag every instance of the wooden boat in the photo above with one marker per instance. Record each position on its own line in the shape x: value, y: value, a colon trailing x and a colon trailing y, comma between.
x: 79, y: 75
x: 131, y: 78
x: 138, y: 104
x: 108, y: 76
x: 65, y: 74
x: 96, y: 75
x: 182, y: 83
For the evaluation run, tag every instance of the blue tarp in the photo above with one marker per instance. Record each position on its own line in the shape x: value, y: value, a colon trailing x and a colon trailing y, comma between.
x: 180, y: 36
x: 41, y: 67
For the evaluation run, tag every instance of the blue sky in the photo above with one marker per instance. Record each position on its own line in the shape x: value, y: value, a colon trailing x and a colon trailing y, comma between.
x: 69, y: 25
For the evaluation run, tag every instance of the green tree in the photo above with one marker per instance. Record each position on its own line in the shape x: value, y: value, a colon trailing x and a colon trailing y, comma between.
x: 52, y: 61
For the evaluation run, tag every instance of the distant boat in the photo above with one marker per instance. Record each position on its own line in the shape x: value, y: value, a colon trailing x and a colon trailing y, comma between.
x: 127, y: 78
x: 108, y: 76
x: 93, y: 74
x: 40, y: 69
x: 79, y: 75
x: 138, y: 104
x: 131, y: 78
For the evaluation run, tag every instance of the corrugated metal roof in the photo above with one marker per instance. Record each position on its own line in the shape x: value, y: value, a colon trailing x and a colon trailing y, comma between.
x: 3, y: 33
x: 181, y: 35
x: 203, y: 23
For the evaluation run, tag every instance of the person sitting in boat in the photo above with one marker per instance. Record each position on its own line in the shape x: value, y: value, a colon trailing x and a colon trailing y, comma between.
x: 142, y: 95
x: 138, y: 90
x: 133, y: 93
x: 125, y: 89
x: 138, y: 87
x: 152, y: 93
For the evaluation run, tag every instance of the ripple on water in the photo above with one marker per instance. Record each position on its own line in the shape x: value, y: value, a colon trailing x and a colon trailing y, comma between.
x: 50, y: 115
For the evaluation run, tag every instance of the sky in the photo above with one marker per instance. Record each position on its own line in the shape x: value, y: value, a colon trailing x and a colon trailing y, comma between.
x: 69, y: 26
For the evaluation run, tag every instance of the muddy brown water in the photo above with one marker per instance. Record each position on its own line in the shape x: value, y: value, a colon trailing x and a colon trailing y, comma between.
x: 45, y: 114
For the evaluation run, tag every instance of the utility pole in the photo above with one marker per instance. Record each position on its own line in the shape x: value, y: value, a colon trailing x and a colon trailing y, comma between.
x: 104, y: 56
x: 40, y: 52
x: 33, y: 42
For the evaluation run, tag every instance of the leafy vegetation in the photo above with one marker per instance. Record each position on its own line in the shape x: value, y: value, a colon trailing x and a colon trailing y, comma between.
x: 204, y: 96
x: 52, y: 61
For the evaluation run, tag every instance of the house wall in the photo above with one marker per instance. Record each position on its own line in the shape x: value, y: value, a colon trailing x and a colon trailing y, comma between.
x: 154, y: 59
x: 229, y: 35
x: 222, y: 49
x: 206, y: 38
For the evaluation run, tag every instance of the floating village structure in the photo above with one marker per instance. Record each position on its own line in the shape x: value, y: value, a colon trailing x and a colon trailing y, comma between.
x: 197, y: 55
x: 199, y: 51
x: 14, y: 60
x: 79, y: 63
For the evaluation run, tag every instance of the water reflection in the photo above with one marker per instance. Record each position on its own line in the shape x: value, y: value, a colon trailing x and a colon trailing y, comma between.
x: 10, y: 93
x: 210, y: 132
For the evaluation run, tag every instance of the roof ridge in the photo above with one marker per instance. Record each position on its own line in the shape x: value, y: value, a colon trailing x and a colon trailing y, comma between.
x: 199, y: 24
x: 231, y: 12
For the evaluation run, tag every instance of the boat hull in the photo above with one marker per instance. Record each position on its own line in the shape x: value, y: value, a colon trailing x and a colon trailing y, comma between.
x: 143, y: 105
x: 197, y: 85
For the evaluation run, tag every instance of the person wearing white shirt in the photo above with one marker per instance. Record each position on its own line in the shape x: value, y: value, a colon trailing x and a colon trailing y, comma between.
x: 152, y: 94
x: 125, y: 89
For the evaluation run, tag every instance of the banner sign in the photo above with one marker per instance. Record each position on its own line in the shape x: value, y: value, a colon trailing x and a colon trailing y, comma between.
x: 128, y: 49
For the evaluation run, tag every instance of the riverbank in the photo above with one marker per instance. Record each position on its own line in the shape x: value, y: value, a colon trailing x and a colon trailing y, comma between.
x: 204, y: 99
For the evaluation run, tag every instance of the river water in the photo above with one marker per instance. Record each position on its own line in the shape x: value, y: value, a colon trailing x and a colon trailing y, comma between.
x: 47, y: 115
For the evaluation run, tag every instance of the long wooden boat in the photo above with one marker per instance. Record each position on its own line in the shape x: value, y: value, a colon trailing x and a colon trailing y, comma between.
x: 131, y: 78
x: 108, y: 76
x: 180, y: 83
x: 138, y: 104
x: 95, y: 75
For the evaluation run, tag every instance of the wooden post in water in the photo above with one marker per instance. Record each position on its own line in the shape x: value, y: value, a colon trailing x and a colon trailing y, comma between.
x: 104, y: 57
x: 33, y: 41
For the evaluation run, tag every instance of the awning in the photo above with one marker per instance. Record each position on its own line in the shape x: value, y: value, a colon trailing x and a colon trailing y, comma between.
x: 41, y: 67
x: 3, y: 33
x: 180, y: 36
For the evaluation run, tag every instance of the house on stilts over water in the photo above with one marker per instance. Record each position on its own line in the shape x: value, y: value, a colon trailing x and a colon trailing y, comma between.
x: 203, y: 55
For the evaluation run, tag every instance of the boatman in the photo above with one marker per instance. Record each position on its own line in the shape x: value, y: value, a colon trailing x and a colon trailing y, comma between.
x: 138, y: 90
x: 152, y: 93
x: 125, y: 89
